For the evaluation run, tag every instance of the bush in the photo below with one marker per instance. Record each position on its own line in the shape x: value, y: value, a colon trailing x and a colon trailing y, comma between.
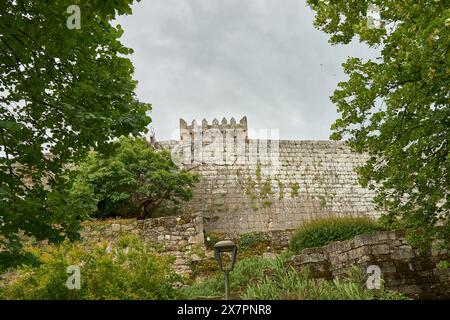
x: 134, y: 180
x: 321, y: 232
x: 130, y: 271
x: 252, y: 239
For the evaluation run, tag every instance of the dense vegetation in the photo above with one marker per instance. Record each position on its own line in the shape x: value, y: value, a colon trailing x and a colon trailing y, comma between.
x: 132, y: 270
x: 244, y: 271
x: 321, y: 232
x: 62, y: 92
x: 258, y: 278
x: 133, y: 180
x: 396, y: 107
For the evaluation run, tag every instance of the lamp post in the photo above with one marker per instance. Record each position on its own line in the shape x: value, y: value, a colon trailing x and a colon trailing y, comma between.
x: 219, y: 248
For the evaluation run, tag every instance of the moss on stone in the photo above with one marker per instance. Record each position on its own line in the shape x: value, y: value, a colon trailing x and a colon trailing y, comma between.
x: 294, y: 189
x: 281, y: 189
x: 323, y: 201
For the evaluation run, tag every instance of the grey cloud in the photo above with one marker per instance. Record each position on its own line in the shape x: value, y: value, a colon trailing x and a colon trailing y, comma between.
x: 229, y: 58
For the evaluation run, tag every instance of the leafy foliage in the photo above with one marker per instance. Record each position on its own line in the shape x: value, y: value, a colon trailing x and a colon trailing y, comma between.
x: 320, y: 232
x: 258, y: 278
x: 62, y: 92
x: 396, y: 108
x: 252, y: 239
x: 288, y: 284
x: 240, y: 277
x: 132, y: 270
x: 442, y: 265
x: 133, y: 180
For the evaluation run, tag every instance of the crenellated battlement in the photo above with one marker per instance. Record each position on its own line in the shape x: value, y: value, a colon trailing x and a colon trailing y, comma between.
x: 226, y: 127
x: 216, y: 142
x: 215, y: 123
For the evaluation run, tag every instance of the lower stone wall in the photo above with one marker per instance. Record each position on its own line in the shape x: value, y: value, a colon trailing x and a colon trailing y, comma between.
x: 278, y: 239
x: 403, y: 268
x: 181, y: 236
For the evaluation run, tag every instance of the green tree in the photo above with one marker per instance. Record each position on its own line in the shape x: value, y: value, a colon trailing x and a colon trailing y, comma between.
x: 62, y: 92
x: 133, y: 181
x: 396, y: 107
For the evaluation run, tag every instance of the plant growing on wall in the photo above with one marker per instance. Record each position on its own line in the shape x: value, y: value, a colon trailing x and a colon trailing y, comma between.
x: 294, y: 189
x: 134, y: 180
x: 396, y: 108
x: 320, y: 232
x: 258, y: 191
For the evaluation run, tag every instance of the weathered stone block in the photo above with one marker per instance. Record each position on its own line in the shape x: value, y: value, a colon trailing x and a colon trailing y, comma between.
x: 115, y: 227
x: 380, y: 249
x: 410, y: 289
x: 269, y: 255
x: 386, y: 235
x: 403, y: 252
x: 366, y: 239
x: 339, y: 246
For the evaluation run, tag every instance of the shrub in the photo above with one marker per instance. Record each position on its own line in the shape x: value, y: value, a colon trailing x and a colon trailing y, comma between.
x: 320, y: 232
x: 130, y: 271
x: 134, y: 180
x: 252, y: 239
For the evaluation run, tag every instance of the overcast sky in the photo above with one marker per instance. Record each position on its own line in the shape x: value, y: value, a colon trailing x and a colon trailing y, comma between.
x: 198, y: 59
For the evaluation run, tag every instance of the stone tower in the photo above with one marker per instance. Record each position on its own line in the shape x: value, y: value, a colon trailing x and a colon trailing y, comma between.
x: 216, y: 143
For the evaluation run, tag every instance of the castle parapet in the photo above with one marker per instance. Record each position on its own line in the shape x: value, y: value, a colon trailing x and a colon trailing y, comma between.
x: 217, y: 142
x: 232, y: 126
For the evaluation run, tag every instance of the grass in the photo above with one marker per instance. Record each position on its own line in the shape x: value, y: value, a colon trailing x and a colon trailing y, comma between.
x: 258, y: 278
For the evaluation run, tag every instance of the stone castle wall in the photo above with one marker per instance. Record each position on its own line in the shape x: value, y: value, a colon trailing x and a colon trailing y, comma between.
x: 403, y: 268
x: 250, y: 185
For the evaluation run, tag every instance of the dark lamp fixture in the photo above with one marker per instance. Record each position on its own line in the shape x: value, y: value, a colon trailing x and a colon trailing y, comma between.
x: 220, y: 248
